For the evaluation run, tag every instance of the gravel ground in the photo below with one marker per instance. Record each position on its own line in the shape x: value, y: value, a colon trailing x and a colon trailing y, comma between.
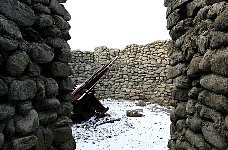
x: 116, y: 131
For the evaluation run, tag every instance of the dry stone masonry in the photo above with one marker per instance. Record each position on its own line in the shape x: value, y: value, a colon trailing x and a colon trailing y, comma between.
x: 199, y: 59
x: 139, y: 73
x: 34, y: 76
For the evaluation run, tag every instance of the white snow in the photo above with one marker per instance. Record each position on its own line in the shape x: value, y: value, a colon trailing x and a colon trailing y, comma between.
x: 150, y: 132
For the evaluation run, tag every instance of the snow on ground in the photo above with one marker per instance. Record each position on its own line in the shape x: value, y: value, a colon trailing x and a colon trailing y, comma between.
x: 116, y: 131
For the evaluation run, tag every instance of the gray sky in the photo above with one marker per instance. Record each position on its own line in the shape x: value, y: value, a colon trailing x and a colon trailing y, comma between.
x: 115, y: 23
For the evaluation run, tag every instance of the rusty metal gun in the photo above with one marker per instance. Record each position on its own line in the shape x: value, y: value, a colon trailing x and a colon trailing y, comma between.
x: 88, y: 85
x: 85, y: 104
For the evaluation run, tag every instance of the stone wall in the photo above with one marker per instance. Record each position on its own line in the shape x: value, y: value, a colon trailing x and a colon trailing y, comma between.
x: 199, y: 59
x: 139, y: 73
x: 34, y: 84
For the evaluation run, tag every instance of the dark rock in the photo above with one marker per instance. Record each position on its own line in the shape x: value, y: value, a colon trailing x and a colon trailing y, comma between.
x: 196, y: 140
x: 24, y: 143
x: 1, y: 139
x: 173, y: 116
x: 60, y: 23
x: 205, y: 63
x: 134, y: 113
x: 69, y: 145
x: 59, y: 69
x: 51, y: 87
x: 43, y: 21
x: 180, y: 125
x: 65, y: 96
x: 9, y: 28
x: 51, y: 32
x: 173, y: 128
x: 203, y: 42
x: 180, y: 94
x: 58, y: 135
x: 174, y: 18
x: 57, y: 43
x: 6, y: 111
x: 40, y: 82
x: 193, y: 69
x: 3, y: 88
x: 65, y: 109
x: 176, y: 71
x: 215, y: 101
x: 31, y: 35
x: 180, y: 110
x: 191, y: 107
x: 219, y: 62
x: 221, y: 22
x: 27, y: 124
x: 33, y: 70
x: 182, y: 82
x: 66, y: 84
x: 19, y: 12
x: 47, y: 117
x: 178, y: 30
x: 218, y: 39
x: 8, y: 44
x: 215, y: 83
x: 176, y: 57
x: 63, y: 121
x: 45, y: 2
x: 201, y: 15
x: 63, y: 55
x: 9, y: 129
x: 214, y: 137
x: 46, y: 104
x: 58, y: 9
x: 17, y: 63
x: 23, y: 108
x: 194, y: 92
x: 40, y: 8
x: 183, y: 144
x: 216, y: 9
x: 194, y: 6
x: 41, y: 53
x: 66, y: 35
x: 195, y: 124
x: 208, y: 113
x: 22, y: 90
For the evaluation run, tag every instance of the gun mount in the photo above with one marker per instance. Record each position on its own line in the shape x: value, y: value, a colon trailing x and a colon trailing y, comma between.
x: 85, y: 104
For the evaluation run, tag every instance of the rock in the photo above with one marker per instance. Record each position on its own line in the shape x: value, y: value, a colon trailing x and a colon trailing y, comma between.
x: 218, y: 39
x: 57, y: 43
x: 27, y: 124
x: 180, y: 94
x: 190, y: 107
x: 59, y: 69
x: 194, y: 92
x: 58, y: 135
x: 9, y: 129
x: 66, y: 84
x: 51, y: 87
x: 193, y: 70
x: 221, y: 22
x: 8, y: 44
x: 64, y: 55
x: 40, y: 8
x: 1, y: 139
x: 18, y: 12
x: 180, y: 111
x: 174, y: 18
x: 215, y: 9
x: 196, y: 140
x: 134, y: 113
x: 205, y: 63
x: 180, y: 125
x: 59, y: 9
x: 3, y: 88
x: 176, y: 71
x: 65, y: 109
x: 208, y: 113
x: 61, y: 24
x: 182, y: 82
x: 44, y: 21
x: 47, y: 117
x: 47, y: 104
x: 45, y: 137
x: 69, y: 145
x: 215, y: 83
x: 194, y: 123
x: 40, y: 83
x: 6, y: 111
x: 63, y: 121
x: 141, y: 103
x: 10, y: 28
x: 41, y: 53
x: 24, y: 107
x: 215, y: 101
x: 214, y: 137
x: 17, y: 63
x: 176, y: 57
x: 219, y: 62
x: 33, y: 70
x: 22, y: 90
x: 24, y: 143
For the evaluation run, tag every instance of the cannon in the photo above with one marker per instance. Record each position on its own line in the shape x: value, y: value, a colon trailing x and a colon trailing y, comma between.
x: 85, y: 104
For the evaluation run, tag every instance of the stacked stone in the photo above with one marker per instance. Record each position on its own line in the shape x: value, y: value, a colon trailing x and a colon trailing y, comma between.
x: 34, y: 83
x: 139, y: 73
x: 199, y: 60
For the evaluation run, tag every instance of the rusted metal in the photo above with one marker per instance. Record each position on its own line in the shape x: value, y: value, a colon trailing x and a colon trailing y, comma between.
x: 84, y: 102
